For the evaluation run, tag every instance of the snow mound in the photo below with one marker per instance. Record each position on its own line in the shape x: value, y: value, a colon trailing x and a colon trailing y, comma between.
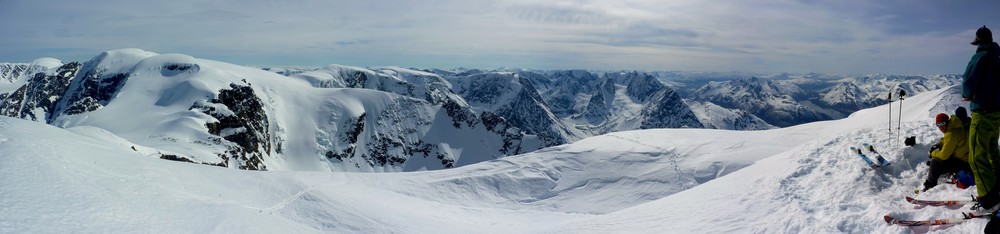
x: 47, y: 62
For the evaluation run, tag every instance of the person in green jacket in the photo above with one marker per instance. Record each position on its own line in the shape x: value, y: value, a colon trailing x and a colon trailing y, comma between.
x: 981, y: 86
x: 951, y: 154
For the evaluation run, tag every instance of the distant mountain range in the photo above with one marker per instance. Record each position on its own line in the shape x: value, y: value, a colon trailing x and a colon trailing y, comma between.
x: 598, y: 102
x: 347, y: 118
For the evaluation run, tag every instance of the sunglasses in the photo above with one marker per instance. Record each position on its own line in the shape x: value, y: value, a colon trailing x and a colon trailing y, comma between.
x: 942, y: 124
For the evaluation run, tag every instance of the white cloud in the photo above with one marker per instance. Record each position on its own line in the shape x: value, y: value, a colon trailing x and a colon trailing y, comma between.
x: 770, y: 35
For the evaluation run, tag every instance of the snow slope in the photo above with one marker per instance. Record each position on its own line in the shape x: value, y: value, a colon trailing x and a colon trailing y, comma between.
x: 817, y: 187
x: 799, y: 179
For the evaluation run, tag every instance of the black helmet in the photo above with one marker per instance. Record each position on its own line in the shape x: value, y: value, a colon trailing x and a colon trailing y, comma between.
x: 983, y: 35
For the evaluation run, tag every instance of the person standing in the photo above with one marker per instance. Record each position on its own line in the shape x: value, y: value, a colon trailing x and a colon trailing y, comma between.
x: 981, y: 86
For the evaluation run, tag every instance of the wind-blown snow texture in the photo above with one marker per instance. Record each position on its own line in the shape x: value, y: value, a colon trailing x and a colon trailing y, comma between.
x: 798, y: 179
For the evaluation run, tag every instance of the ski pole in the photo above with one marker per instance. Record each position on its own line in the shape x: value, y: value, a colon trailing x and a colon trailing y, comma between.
x: 899, y: 120
x: 889, y: 99
x: 902, y: 93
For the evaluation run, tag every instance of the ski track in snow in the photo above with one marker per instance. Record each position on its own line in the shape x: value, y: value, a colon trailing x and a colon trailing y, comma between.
x: 670, y: 153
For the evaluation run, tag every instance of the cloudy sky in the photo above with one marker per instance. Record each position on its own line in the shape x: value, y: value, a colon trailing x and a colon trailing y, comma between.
x: 843, y: 37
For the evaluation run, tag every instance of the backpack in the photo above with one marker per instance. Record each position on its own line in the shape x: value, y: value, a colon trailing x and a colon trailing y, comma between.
x: 964, y: 179
x: 964, y: 116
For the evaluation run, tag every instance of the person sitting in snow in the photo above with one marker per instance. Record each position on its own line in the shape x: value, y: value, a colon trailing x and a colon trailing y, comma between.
x: 951, y: 154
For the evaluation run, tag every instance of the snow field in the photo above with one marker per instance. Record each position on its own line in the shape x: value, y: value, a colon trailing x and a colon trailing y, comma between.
x: 800, y: 179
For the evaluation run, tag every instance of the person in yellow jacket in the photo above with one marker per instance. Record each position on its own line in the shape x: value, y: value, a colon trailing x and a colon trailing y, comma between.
x: 951, y: 154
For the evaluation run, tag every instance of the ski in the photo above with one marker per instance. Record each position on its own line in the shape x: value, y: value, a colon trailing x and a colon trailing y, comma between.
x: 863, y: 157
x: 881, y: 161
x: 933, y: 222
x: 953, y: 202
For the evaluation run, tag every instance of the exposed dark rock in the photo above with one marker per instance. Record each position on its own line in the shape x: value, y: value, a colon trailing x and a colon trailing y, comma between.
x: 459, y: 114
x: 354, y: 129
x: 90, y: 92
x: 172, y: 157
x: 511, y: 135
x: 643, y: 86
x: 41, y: 92
x: 667, y: 110
x: 243, y: 122
x: 87, y: 104
x: 529, y: 113
x: 11, y: 71
x: 177, y: 67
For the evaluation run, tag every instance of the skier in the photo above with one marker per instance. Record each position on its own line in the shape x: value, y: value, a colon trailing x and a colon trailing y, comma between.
x: 979, y: 84
x: 951, y: 154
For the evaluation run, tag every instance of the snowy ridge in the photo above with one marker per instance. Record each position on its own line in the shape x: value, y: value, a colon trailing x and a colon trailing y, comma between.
x: 790, y: 180
x: 717, y: 117
x: 181, y: 108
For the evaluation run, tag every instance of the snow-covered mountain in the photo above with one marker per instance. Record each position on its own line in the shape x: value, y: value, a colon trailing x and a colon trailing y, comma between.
x: 436, y: 89
x: 34, y: 88
x: 602, y: 102
x: 566, y: 87
x: 514, y: 98
x: 662, y: 107
x: 576, y: 97
x: 785, y: 99
x: 853, y: 93
x: 181, y: 108
x: 717, y: 117
x: 769, y: 100
x: 799, y: 179
x: 592, y: 104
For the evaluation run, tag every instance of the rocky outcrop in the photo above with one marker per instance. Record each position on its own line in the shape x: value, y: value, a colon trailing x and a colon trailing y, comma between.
x: 241, y: 122
x: 36, y: 100
x: 667, y: 110
x: 90, y: 92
